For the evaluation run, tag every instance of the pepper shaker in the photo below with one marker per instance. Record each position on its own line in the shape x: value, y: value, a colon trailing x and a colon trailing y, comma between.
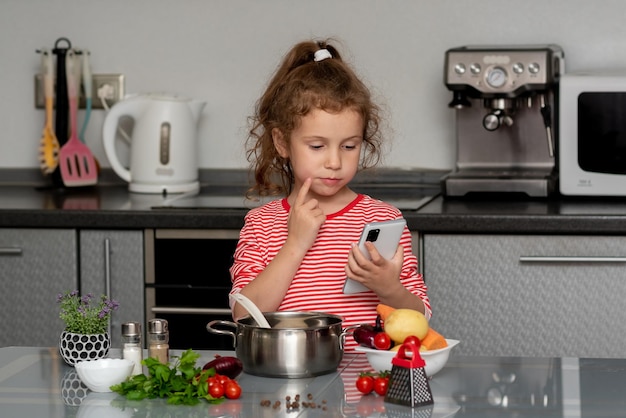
x: 158, y: 340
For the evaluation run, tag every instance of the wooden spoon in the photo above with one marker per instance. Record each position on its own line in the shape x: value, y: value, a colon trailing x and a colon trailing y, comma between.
x: 49, y: 145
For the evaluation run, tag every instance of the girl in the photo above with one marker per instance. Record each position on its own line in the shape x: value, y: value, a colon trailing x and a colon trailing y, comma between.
x: 314, y: 128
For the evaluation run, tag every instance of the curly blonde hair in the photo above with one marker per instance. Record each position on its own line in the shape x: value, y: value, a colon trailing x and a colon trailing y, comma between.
x: 300, y: 85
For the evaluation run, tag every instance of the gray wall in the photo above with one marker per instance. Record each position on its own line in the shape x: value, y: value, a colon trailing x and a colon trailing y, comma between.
x: 224, y: 51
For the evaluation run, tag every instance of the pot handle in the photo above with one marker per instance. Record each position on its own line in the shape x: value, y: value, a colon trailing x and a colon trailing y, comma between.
x: 344, y: 335
x: 350, y: 330
x: 346, y: 332
x: 211, y: 329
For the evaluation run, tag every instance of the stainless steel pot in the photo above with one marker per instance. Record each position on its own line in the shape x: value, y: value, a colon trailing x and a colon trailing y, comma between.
x: 298, y: 344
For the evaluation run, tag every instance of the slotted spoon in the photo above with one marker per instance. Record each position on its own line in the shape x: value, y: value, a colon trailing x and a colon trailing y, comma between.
x: 77, y: 164
x: 49, y: 145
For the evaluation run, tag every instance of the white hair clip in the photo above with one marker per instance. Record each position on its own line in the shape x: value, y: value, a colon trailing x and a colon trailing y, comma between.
x: 321, y: 55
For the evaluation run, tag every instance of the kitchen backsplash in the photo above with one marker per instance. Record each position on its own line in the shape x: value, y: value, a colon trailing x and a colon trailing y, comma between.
x: 224, y: 52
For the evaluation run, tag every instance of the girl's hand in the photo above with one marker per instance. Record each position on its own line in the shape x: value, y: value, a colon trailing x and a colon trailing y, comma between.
x: 305, y: 219
x: 379, y: 274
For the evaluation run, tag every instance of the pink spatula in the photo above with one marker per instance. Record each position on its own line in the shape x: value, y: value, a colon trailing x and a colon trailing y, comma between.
x: 77, y: 164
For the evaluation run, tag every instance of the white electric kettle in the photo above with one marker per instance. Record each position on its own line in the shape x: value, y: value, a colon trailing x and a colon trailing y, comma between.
x: 163, y: 149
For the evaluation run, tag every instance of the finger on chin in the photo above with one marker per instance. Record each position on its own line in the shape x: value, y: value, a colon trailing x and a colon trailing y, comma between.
x: 304, y: 190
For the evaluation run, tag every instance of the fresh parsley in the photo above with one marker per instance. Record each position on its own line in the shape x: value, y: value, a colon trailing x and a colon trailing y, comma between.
x: 182, y: 383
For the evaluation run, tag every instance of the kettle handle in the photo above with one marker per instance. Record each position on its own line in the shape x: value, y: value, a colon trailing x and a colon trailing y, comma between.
x: 130, y: 107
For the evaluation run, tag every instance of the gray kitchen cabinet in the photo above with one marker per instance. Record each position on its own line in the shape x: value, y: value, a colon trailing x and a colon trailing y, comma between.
x: 35, y: 266
x: 111, y: 262
x: 524, y: 295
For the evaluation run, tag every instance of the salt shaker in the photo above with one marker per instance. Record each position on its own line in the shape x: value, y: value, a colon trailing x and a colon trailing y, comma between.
x: 131, y: 342
x: 158, y: 340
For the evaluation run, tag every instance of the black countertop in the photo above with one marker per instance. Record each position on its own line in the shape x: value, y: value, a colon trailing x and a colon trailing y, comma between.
x: 111, y: 206
x: 556, y: 215
x: 105, y: 207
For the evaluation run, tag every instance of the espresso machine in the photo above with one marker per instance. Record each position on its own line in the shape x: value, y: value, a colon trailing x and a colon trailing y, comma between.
x: 505, y: 101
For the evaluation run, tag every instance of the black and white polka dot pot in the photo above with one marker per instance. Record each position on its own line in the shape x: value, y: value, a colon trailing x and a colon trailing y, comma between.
x: 78, y: 347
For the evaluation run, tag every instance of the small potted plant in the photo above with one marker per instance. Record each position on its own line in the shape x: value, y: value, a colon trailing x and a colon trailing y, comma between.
x: 86, y: 318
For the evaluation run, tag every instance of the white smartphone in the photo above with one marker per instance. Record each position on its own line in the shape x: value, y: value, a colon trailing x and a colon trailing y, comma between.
x: 386, y: 237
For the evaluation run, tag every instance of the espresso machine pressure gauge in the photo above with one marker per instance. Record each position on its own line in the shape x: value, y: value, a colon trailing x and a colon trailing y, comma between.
x: 496, y: 77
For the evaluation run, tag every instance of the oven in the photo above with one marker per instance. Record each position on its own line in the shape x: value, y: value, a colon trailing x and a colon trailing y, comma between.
x: 187, y: 282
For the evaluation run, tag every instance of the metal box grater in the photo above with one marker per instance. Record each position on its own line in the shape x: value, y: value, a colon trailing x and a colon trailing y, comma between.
x: 408, y: 384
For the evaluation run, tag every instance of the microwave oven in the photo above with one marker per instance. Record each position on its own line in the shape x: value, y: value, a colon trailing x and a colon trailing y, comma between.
x: 592, y: 134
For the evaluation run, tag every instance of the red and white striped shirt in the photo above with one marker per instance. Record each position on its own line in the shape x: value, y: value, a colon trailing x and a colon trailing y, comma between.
x: 318, y: 284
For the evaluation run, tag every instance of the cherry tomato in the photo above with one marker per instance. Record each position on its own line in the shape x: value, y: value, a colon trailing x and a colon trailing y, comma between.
x: 365, y: 383
x: 232, y: 390
x: 216, y: 390
x: 382, y: 341
x: 381, y: 383
x: 222, y: 379
x: 414, y: 339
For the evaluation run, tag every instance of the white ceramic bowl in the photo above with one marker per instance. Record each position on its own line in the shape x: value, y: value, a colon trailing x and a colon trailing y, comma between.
x: 99, y: 375
x: 435, y: 359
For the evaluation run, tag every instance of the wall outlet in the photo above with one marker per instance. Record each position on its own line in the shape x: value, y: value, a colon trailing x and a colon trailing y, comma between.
x: 113, y: 84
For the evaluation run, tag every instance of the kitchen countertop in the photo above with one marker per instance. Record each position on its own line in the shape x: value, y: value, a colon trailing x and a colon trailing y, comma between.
x: 556, y: 215
x: 111, y: 206
x: 35, y: 382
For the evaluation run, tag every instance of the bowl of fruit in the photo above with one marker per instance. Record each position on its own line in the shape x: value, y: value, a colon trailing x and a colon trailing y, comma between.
x: 380, y: 342
x: 380, y: 360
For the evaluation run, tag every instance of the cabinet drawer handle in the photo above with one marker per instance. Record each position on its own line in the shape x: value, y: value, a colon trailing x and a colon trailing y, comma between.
x: 107, y: 274
x: 207, y: 311
x: 570, y: 259
x: 10, y: 251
